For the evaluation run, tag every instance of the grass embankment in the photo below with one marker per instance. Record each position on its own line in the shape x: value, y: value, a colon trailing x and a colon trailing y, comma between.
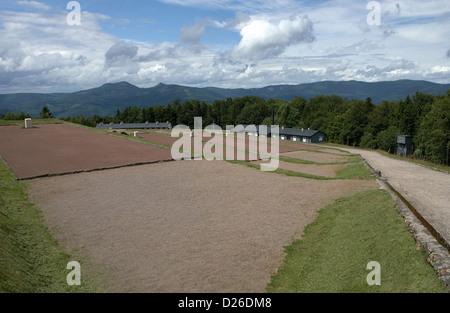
x: 351, y: 160
x: 30, y: 259
x: 335, y: 249
x: 351, y: 171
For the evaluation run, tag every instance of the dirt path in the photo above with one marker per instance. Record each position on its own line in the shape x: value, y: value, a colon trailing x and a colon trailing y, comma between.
x: 189, y: 226
x: 426, y: 189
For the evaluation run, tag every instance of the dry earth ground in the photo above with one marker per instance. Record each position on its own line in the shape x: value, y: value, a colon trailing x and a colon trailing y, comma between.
x: 62, y: 148
x: 188, y: 226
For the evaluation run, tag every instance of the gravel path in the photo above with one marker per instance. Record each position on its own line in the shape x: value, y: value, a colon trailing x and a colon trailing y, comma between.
x: 189, y: 226
x: 426, y: 189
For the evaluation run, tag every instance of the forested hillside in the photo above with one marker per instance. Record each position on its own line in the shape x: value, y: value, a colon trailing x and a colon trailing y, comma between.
x: 105, y: 100
x: 351, y: 122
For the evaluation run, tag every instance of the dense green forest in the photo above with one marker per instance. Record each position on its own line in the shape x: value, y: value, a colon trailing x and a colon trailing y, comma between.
x: 351, y: 122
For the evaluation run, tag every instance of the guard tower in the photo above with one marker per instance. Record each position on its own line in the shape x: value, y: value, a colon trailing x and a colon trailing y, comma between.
x: 405, y: 145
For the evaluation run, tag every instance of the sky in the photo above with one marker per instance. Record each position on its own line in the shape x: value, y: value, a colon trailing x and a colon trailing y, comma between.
x: 64, y: 46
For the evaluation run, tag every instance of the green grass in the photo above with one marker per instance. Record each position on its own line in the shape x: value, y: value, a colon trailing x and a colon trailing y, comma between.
x: 300, y: 161
x: 335, y: 249
x: 353, y: 171
x: 35, y: 122
x: 155, y: 132
x: 352, y: 159
x: 281, y: 171
x: 30, y: 259
x: 10, y: 122
x: 348, y: 172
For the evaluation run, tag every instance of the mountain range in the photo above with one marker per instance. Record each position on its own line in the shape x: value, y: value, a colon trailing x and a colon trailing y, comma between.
x: 105, y: 100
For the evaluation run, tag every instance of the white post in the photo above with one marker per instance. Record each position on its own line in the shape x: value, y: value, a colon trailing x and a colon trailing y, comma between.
x: 28, y: 123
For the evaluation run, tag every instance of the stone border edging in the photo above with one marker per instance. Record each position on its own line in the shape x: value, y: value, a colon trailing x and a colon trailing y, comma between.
x: 438, y: 254
x: 439, y: 257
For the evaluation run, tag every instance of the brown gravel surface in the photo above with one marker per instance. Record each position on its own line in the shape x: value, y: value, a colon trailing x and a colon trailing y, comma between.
x: 188, y: 226
x: 242, y: 143
x: 63, y: 148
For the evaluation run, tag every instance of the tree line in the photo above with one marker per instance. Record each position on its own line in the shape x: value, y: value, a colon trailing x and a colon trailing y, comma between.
x: 351, y: 122
x: 10, y: 116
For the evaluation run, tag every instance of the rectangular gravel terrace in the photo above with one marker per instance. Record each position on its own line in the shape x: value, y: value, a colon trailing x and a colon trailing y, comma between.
x: 185, y: 226
x: 62, y: 148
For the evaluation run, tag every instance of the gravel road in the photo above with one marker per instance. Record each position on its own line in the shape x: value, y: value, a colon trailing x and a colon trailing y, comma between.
x: 426, y: 189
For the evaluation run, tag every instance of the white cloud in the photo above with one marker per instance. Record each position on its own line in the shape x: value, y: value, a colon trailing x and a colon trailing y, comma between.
x: 191, y: 34
x: 34, y: 5
x: 240, y: 18
x: 415, y: 8
x: 41, y: 51
x: 396, y: 69
x: 262, y: 38
x: 268, y: 43
x: 121, y: 53
x: 236, y: 5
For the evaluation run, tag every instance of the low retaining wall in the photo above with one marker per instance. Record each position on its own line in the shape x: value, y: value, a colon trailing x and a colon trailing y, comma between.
x: 424, y: 234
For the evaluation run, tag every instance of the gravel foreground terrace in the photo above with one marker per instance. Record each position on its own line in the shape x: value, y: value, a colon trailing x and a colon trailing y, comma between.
x: 187, y: 226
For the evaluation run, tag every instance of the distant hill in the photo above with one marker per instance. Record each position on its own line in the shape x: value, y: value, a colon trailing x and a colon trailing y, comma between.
x: 105, y: 100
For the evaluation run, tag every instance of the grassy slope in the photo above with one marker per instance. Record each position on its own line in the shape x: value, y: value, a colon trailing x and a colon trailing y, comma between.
x: 30, y: 259
x: 346, y: 236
